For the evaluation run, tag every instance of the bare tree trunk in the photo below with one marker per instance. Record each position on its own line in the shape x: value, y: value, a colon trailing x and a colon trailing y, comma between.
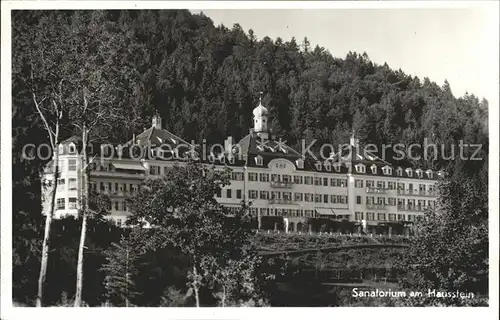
x: 195, y: 286
x: 85, y: 207
x: 223, y: 296
x: 46, y: 236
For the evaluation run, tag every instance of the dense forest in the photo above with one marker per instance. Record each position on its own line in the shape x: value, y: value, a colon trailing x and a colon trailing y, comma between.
x: 204, y: 80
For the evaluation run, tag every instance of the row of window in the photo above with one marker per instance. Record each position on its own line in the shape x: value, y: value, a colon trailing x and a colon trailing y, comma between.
x: 286, y: 178
x: 71, y: 165
x: 391, y: 201
x: 372, y: 216
x: 387, y: 170
x: 61, y: 203
x: 279, y: 212
x: 114, y: 187
x: 61, y: 183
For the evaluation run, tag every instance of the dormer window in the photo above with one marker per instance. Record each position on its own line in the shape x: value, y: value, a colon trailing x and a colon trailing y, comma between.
x: 374, y: 169
x: 72, y: 148
x: 419, y: 173
x: 328, y: 166
x: 231, y: 159
x: 441, y: 173
x: 336, y: 166
x: 409, y: 172
x: 300, y: 163
x: 430, y: 174
x: 61, y: 149
x: 211, y: 158
x: 318, y: 166
x: 387, y: 170
x: 360, y: 168
x: 258, y: 160
x: 399, y: 171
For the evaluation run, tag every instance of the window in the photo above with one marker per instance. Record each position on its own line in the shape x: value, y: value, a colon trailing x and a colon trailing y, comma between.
x: 387, y: 170
x: 401, y: 216
x: 308, y: 197
x: 275, y: 195
x: 72, y: 184
x: 374, y: 169
x: 252, y: 176
x: 325, y: 182
x: 72, y: 203
x: 252, y: 194
x: 264, y: 177
x: 370, y: 183
x: 360, y: 168
x: 409, y: 172
x: 392, y: 201
x: 72, y: 165
x: 370, y: 200
x: 308, y: 180
x: 419, y: 173
x: 338, y: 182
x: 264, y: 195
x: 317, y: 181
x: 358, y: 199
x: 358, y: 215
x: 336, y: 166
x: 218, y: 193
x: 429, y: 174
x: 370, y: 216
x: 391, y: 185
x: 61, y: 204
x: 317, y: 198
x: 300, y: 163
x: 117, y: 205
x: 358, y: 183
x: 228, y: 193
x: 60, y: 184
x: 299, y: 196
x: 287, y: 196
x: 328, y: 166
x: 286, y: 178
x: 154, y: 170
x: 318, y: 166
x: 275, y: 177
x: 325, y: 198
x: 381, y: 184
x: 297, y: 179
x: 392, y: 217
x: 381, y: 216
x: 116, y: 187
x: 238, y: 194
x: 258, y: 160
x: 237, y: 176
x: 399, y: 171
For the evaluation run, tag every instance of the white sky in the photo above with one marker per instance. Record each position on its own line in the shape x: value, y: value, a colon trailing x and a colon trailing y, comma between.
x: 460, y: 45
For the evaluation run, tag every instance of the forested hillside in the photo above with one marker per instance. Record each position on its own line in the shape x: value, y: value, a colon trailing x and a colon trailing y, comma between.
x: 204, y: 80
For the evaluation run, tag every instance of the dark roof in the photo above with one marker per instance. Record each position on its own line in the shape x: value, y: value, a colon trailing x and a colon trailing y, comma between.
x: 155, y: 137
x: 253, y: 145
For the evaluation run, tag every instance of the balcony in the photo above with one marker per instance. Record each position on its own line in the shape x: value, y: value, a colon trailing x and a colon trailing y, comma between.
x: 376, y: 190
x: 412, y: 208
x: 380, y: 206
x: 282, y: 184
x: 420, y: 193
x: 281, y: 201
x: 114, y: 174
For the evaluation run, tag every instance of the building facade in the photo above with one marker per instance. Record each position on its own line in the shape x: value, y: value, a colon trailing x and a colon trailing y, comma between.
x: 277, y: 180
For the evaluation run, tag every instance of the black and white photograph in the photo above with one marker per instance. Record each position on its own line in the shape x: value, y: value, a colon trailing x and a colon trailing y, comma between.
x: 288, y: 159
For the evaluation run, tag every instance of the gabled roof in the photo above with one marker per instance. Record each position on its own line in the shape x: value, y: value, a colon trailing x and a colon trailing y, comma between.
x: 252, y: 144
x: 156, y: 137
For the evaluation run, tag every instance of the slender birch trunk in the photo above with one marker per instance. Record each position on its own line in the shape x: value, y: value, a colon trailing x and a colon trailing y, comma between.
x: 85, y: 207
x: 195, y: 285
x: 46, y: 236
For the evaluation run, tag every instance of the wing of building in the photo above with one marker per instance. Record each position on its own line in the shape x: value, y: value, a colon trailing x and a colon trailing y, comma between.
x: 352, y: 184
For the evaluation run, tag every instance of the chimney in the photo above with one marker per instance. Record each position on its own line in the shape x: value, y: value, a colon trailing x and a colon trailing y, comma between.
x: 228, y: 144
x: 157, y: 121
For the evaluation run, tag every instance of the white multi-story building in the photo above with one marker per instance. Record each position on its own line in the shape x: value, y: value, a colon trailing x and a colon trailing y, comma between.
x: 275, y: 178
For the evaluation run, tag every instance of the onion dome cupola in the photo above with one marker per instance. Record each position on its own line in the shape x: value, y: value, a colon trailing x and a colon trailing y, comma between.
x: 260, y: 119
